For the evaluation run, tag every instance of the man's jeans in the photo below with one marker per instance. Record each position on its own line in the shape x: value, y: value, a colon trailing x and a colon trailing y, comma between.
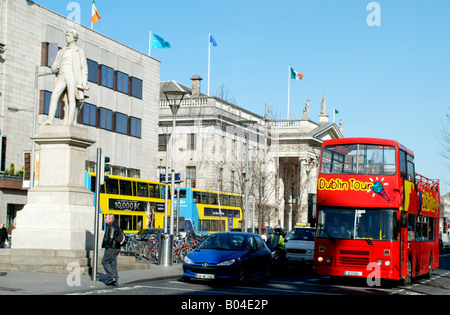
x: 109, y: 263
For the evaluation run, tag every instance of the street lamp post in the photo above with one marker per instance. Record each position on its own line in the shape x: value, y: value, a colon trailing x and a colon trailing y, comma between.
x: 174, y: 98
x: 37, y: 75
x: 246, y: 123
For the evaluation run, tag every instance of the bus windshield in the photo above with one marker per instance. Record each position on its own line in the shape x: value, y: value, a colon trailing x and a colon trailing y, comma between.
x: 363, y: 159
x: 354, y: 224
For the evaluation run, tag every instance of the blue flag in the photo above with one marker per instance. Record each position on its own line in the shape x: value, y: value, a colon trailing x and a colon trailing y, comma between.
x: 212, y: 40
x: 159, y: 42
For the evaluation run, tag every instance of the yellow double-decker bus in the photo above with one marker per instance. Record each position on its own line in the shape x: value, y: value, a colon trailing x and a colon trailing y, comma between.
x: 137, y: 204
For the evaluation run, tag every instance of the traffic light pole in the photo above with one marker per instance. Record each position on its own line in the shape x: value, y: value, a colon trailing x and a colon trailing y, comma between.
x: 97, y: 212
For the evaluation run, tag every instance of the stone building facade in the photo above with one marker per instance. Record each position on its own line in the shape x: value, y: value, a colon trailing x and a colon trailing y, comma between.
x: 211, y: 148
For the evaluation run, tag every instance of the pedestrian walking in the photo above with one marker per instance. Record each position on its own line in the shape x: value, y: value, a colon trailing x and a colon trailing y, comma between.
x: 3, y: 235
x: 112, y: 243
x: 10, y: 229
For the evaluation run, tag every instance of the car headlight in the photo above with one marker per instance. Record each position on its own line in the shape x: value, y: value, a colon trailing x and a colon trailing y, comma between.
x: 187, y: 260
x: 227, y: 262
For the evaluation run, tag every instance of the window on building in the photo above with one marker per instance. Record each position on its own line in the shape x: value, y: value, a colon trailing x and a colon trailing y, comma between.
x: 89, y: 115
x: 191, y: 175
x: 121, y: 123
x: 48, y: 54
x: 162, y: 142
x: 106, y: 119
x: 191, y: 141
x: 92, y: 71
x: 107, y: 74
x: 136, y: 88
x: 45, y: 104
x: 122, y: 82
x: 135, y: 127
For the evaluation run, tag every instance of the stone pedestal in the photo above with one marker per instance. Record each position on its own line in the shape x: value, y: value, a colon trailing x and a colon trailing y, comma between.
x: 59, y: 214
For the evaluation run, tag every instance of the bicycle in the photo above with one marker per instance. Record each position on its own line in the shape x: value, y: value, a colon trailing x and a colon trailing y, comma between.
x: 150, y: 249
x: 133, y: 247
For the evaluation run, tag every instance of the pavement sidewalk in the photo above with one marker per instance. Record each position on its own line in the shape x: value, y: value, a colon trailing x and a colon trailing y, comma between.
x: 33, y: 283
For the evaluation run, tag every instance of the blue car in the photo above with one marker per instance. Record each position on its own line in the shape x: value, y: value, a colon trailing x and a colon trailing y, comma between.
x: 232, y: 256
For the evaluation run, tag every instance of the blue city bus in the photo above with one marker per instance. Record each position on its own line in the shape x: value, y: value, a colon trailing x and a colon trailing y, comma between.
x: 207, y: 213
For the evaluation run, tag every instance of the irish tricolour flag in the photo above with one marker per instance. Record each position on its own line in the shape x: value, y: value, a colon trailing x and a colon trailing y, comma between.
x: 95, y: 15
x: 295, y: 75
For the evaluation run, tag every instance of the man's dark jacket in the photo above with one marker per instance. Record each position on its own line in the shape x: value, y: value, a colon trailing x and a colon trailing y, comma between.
x: 111, y: 236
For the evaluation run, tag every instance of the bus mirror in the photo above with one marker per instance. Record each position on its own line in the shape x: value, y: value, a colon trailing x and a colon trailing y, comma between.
x: 403, y: 220
x: 312, y: 222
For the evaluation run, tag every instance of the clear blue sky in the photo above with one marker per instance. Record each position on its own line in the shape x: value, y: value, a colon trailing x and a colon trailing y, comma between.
x: 389, y: 81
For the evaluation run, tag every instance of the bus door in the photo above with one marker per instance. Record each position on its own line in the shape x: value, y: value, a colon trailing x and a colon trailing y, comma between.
x: 403, y: 244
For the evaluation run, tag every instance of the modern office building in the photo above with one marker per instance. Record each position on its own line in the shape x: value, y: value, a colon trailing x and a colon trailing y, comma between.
x: 121, y: 112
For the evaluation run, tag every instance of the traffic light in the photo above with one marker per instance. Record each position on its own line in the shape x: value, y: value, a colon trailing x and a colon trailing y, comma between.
x: 104, y: 169
x: 3, y: 155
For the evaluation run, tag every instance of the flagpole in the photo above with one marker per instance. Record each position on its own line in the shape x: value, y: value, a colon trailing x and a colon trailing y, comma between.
x: 209, y: 60
x: 150, y: 44
x: 92, y: 11
x: 289, y: 91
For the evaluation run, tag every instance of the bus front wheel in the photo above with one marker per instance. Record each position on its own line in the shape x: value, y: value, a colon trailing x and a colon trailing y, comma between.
x: 408, y: 280
x: 430, y: 267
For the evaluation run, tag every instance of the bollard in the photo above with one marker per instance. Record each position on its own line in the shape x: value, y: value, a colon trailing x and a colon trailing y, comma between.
x: 165, y: 249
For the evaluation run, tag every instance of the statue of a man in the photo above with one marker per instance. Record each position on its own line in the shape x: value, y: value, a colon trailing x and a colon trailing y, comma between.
x: 323, y: 107
x: 71, y: 71
x: 306, y: 110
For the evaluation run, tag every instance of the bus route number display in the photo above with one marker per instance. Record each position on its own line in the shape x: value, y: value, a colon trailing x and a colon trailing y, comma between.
x: 126, y: 205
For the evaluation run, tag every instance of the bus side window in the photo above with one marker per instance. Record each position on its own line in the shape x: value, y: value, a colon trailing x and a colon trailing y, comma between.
x: 205, y: 198
x: 112, y: 186
x: 159, y: 189
x: 232, y: 201
x: 213, y: 199
x: 432, y: 229
x: 182, y: 193
x: 125, y: 188
x: 142, y: 189
x: 93, y: 183
x: 403, y: 171
x: 410, y: 168
x: 153, y: 190
x: 196, y: 197
x: 224, y: 200
x: 411, y: 227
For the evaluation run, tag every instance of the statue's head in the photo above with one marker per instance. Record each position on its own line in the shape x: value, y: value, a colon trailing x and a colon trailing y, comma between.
x: 73, y: 33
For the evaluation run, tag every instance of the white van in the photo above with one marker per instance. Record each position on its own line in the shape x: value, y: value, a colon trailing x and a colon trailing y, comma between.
x: 300, y: 245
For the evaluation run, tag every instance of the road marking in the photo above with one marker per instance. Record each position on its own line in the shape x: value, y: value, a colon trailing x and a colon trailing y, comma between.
x: 286, y: 291
x: 136, y: 287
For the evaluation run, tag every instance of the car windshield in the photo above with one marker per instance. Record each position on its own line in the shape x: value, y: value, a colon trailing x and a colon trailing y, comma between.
x: 301, y: 235
x: 224, y: 242
x: 351, y: 224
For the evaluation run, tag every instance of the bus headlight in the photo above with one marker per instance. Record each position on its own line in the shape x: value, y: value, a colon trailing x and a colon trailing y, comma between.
x: 320, y: 259
x: 379, y: 263
x: 387, y: 263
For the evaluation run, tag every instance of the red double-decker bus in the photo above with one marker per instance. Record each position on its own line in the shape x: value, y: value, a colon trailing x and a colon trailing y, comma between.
x: 375, y: 216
